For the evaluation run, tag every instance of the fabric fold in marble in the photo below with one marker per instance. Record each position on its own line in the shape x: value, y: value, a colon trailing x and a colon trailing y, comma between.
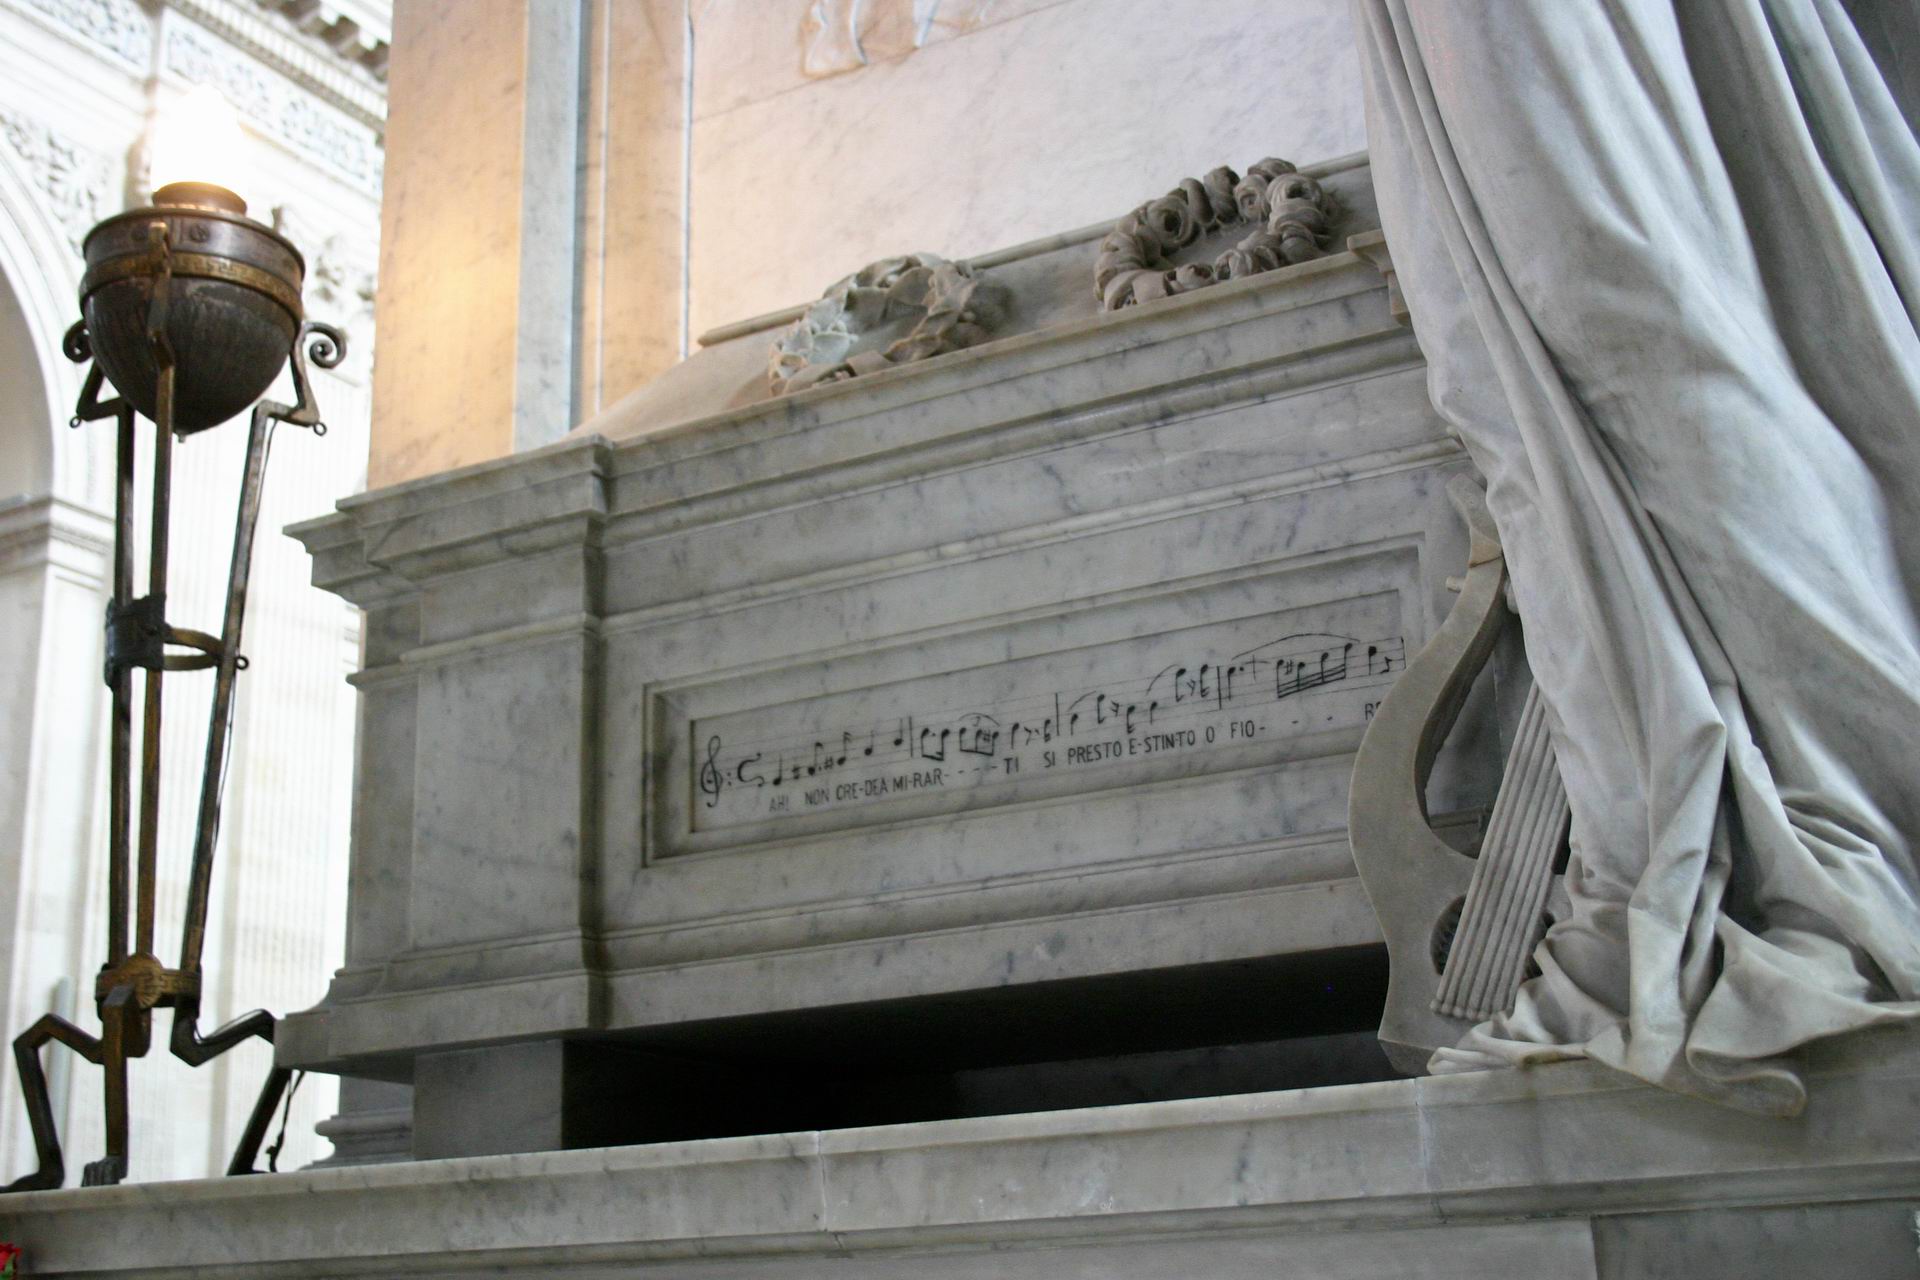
x: 1663, y: 257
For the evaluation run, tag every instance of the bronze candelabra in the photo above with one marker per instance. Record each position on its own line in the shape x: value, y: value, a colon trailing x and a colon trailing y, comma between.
x: 189, y: 309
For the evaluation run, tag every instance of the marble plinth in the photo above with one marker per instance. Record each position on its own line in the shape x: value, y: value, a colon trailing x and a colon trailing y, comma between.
x: 1565, y: 1171
x: 1036, y: 666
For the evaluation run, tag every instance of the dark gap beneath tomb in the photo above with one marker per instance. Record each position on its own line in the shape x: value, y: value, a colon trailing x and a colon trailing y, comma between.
x: 1284, y: 1022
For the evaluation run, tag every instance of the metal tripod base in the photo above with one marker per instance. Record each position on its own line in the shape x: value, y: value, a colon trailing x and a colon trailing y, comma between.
x: 127, y: 1032
x: 134, y: 982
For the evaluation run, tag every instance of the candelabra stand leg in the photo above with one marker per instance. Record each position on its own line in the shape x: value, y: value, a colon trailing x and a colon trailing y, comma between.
x: 123, y: 1028
x: 120, y: 681
x: 190, y: 1047
x: 187, y: 1043
x: 33, y: 1082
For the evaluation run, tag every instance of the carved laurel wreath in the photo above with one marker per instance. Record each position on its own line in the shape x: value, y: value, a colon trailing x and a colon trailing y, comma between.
x: 1291, y: 213
x: 889, y: 312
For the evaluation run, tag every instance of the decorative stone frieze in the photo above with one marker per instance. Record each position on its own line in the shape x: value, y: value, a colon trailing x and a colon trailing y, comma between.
x: 121, y: 27
x: 1290, y: 212
x: 304, y: 51
x: 890, y: 312
x: 275, y: 103
x: 74, y: 180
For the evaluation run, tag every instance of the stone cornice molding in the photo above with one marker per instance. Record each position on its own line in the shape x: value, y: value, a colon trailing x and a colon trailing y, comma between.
x: 319, y: 48
x: 353, y: 29
x: 44, y: 530
x: 385, y: 545
x: 122, y: 28
x: 279, y: 105
x: 357, y: 89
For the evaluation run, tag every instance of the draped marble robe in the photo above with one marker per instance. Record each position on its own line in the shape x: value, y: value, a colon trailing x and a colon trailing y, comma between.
x: 1663, y: 257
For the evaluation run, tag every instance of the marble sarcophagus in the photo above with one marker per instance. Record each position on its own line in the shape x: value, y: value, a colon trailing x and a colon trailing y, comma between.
x: 1009, y: 689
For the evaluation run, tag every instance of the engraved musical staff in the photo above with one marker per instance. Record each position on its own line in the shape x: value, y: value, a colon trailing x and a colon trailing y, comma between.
x: 1204, y: 699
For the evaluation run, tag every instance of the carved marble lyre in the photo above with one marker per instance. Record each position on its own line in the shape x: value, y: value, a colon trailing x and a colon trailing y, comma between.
x: 1459, y: 929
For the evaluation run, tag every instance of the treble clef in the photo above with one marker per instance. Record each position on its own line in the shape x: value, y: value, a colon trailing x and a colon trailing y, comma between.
x: 710, y: 779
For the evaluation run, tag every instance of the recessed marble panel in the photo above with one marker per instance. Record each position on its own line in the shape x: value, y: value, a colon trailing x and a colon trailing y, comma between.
x: 1220, y: 688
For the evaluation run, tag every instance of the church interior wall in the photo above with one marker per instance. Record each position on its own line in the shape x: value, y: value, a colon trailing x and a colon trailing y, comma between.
x: 81, y: 88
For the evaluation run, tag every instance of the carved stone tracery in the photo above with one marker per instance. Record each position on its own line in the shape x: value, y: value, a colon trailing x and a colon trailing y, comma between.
x: 74, y: 180
x: 1291, y: 213
x: 276, y: 104
x: 120, y: 26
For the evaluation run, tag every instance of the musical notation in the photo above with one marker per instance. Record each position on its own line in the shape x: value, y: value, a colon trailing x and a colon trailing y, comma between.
x: 1204, y: 701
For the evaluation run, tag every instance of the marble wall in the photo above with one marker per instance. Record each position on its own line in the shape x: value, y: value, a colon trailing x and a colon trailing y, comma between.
x: 1037, y: 116
x: 444, y: 388
x: 735, y: 157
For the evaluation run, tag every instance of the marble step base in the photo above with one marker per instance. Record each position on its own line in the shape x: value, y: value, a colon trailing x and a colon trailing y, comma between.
x: 1564, y: 1171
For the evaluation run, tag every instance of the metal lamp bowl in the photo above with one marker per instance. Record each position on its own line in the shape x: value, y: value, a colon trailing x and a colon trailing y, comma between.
x: 233, y: 303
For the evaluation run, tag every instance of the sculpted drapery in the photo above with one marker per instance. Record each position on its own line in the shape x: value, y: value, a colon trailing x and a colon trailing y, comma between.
x: 1663, y: 257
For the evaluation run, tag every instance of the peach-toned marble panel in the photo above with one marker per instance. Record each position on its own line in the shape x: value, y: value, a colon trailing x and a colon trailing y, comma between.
x: 449, y: 245
x: 631, y: 219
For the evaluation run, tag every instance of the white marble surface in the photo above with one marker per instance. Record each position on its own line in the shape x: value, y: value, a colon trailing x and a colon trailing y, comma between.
x: 1046, y: 116
x: 1679, y: 585
x: 552, y: 632
x: 1565, y: 1171
x: 747, y: 51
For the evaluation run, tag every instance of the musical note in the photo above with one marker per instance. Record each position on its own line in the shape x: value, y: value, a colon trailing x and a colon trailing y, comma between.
x: 941, y: 753
x: 710, y: 779
x: 1295, y: 677
x: 985, y: 741
x: 824, y: 761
